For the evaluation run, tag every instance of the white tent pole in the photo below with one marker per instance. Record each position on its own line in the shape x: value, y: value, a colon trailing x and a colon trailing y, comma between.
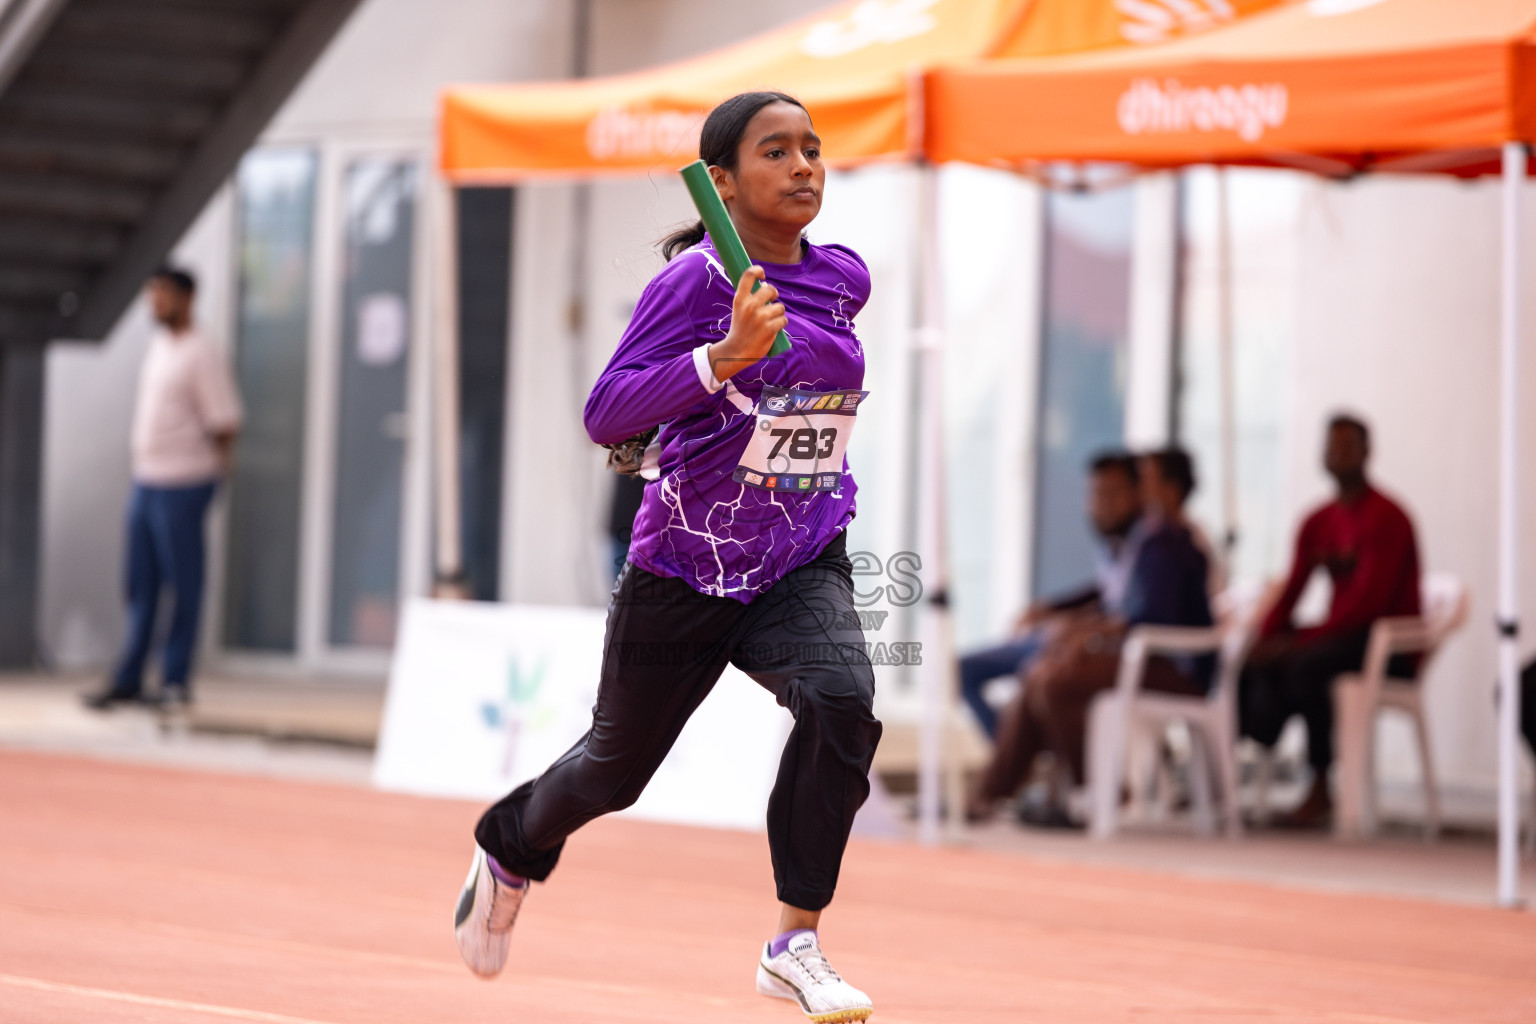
x: 449, y: 559
x: 1226, y: 361
x: 937, y: 675
x: 1509, y: 538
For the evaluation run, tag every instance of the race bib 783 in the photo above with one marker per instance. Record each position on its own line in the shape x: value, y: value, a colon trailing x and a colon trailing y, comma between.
x: 799, y: 440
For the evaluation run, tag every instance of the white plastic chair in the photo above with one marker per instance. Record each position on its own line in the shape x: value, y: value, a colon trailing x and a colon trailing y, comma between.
x: 1359, y: 697
x: 1117, y: 714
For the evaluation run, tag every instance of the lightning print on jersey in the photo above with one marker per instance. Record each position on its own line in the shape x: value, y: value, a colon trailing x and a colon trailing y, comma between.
x: 718, y: 524
x: 839, y: 315
x: 699, y: 519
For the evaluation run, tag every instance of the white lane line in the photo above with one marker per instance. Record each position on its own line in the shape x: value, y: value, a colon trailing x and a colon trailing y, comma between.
x: 113, y: 996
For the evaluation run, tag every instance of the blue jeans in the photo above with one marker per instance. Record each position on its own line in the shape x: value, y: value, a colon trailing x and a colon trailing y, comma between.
x: 165, y: 549
x: 979, y: 668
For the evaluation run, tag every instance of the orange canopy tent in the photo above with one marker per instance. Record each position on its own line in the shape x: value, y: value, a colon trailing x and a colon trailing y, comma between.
x: 1333, y: 86
x: 856, y: 67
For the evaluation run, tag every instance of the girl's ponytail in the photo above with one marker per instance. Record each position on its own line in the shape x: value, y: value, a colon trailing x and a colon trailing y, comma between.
x: 682, y: 239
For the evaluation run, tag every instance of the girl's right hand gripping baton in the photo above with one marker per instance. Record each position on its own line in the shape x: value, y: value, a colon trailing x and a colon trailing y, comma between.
x: 723, y: 233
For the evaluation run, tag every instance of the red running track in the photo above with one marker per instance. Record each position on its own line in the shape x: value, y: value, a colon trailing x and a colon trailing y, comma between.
x: 132, y: 893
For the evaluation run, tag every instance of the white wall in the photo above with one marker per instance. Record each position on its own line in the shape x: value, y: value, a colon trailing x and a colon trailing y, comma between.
x: 1154, y: 283
x: 632, y: 34
x: 1397, y: 320
x: 992, y: 247
x: 1266, y: 256
x: 388, y: 66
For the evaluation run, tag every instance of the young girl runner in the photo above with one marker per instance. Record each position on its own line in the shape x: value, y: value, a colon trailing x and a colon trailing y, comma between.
x: 738, y: 554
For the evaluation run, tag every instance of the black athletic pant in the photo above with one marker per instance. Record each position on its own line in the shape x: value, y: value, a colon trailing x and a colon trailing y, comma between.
x: 1300, y: 682
x: 666, y: 645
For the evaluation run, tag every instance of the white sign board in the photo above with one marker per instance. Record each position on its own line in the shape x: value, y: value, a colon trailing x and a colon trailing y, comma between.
x: 482, y: 697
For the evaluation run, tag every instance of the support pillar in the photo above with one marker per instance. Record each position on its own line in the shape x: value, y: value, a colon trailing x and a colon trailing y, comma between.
x: 21, y: 449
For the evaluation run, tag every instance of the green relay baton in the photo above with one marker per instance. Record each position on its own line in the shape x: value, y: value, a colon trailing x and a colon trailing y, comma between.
x: 723, y: 233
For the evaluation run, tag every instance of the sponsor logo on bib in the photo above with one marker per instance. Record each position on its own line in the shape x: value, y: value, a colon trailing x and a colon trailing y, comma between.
x: 801, y: 440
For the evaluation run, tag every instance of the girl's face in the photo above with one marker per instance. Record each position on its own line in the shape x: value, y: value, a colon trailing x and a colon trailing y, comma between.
x: 779, y: 175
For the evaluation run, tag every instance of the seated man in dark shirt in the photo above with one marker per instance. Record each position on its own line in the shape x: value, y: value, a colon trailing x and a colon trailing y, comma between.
x: 1114, y: 511
x: 1167, y: 587
x: 1365, y: 542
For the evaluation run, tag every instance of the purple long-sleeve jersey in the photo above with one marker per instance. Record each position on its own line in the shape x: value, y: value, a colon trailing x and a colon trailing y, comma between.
x: 696, y: 522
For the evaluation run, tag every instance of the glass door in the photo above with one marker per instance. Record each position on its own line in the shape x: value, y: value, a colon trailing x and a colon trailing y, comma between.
x: 276, y: 197
x: 378, y: 206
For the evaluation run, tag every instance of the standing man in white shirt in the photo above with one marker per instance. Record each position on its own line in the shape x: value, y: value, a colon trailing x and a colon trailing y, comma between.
x: 184, y: 427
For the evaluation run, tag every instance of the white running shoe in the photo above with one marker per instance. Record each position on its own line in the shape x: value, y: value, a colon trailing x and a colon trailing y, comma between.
x: 482, y: 922
x: 802, y: 973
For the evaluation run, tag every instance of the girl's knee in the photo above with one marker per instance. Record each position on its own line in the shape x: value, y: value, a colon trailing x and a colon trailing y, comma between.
x: 622, y: 799
x: 845, y: 711
x: 833, y: 694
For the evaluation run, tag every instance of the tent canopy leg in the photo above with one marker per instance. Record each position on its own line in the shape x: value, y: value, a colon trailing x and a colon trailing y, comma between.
x: 1509, y: 551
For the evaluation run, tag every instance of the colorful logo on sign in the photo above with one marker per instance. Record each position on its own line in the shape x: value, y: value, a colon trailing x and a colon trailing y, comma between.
x: 510, y: 713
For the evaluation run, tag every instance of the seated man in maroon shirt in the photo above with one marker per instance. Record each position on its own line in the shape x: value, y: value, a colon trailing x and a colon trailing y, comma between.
x: 1365, y: 542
